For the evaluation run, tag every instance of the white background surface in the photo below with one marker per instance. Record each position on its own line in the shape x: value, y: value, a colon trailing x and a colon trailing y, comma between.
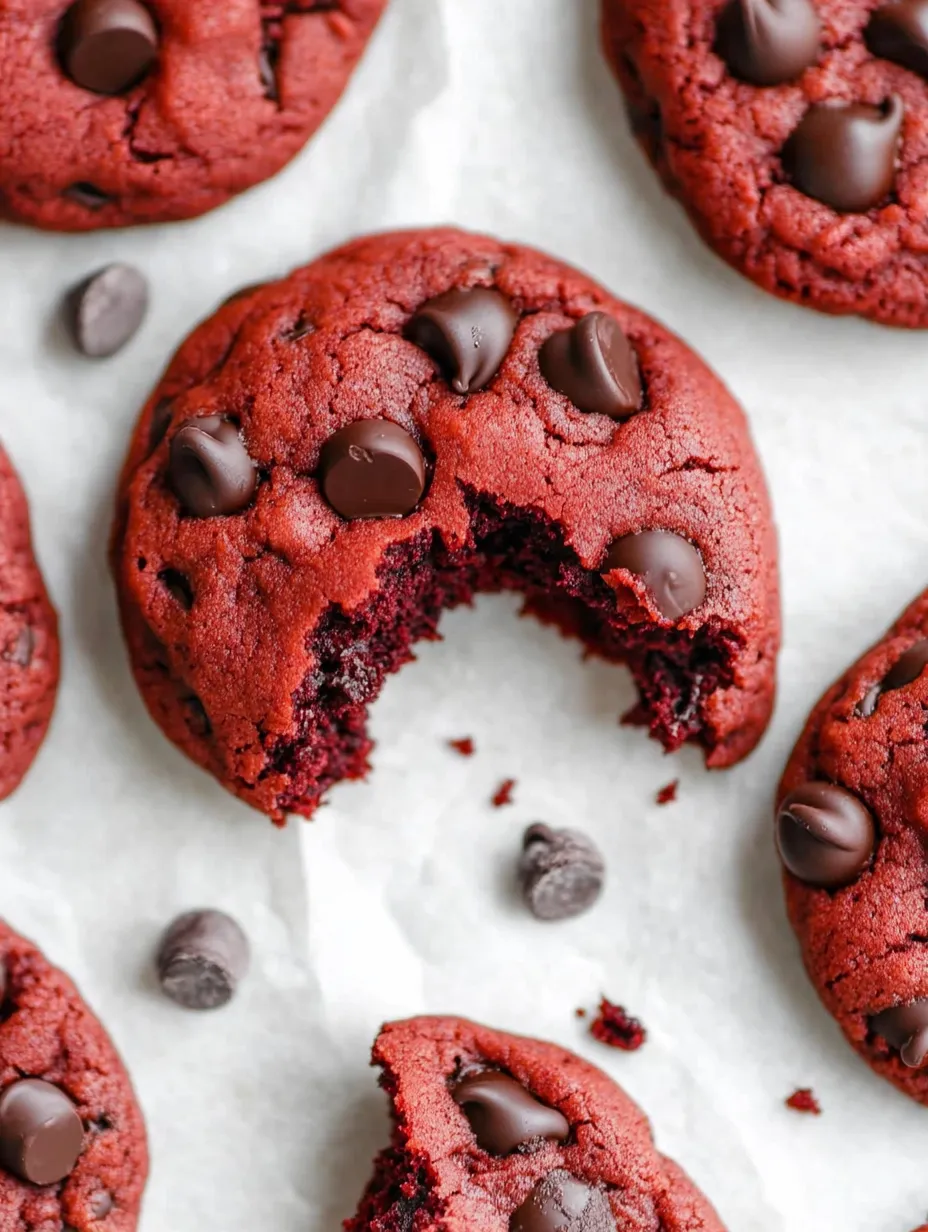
x: 500, y: 116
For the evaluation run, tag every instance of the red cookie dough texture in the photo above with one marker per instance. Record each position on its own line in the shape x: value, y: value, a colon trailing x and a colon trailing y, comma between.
x: 28, y: 638
x: 718, y: 142
x: 47, y: 1032
x: 235, y: 91
x: 258, y: 638
x: 444, y: 1171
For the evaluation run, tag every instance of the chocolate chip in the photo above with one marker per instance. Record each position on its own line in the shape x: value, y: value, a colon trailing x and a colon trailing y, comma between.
x: 594, y: 366
x: 88, y: 195
x: 101, y: 1204
x: 40, y: 1132
x: 905, y: 1028
x: 22, y: 649
x: 561, y: 872
x: 467, y: 333
x: 906, y: 669
x: 671, y: 567
x: 160, y: 422
x: 372, y: 469
x: 178, y: 586
x: 209, y: 468
x: 825, y: 835
x: 561, y: 1203
x: 268, y: 57
x: 768, y: 42
x: 844, y: 154
x: 104, y: 311
x: 899, y: 32
x: 108, y: 45
x: 201, y: 959
x: 504, y: 1115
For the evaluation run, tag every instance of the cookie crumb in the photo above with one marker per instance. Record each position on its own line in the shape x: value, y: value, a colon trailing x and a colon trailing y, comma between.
x: 464, y: 746
x: 804, y: 1100
x: 503, y: 794
x: 668, y: 794
x: 580, y: 1012
x: 614, y: 1027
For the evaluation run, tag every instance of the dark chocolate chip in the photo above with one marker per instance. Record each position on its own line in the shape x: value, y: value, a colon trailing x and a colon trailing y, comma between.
x: 22, y: 650
x: 905, y: 1028
x: 268, y: 58
x: 768, y: 42
x: 201, y: 959
x: 210, y: 469
x: 87, y: 195
x: 467, y: 333
x: 906, y: 669
x: 101, y: 1204
x: 825, y: 835
x: 561, y: 872
x: 504, y: 1115
x: 561, y: 1203
x: 594, y: 365
x: 844, y: 154
x: 178, y: 586
x: 40, y: 1132
x: 671, y: 567
x: 104, y: 311
x: 372, y: 469
x: 197, y: 719
x: 108, y: 45
x: 899, y: 32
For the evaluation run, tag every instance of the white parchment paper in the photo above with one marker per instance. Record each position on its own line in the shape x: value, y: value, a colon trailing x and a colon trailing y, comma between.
x: 500, y: 115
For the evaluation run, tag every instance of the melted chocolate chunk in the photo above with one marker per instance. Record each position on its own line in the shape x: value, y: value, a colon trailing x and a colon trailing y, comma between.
x: 504, y: 1115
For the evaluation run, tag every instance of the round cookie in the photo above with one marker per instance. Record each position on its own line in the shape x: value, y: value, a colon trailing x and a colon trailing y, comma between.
x: 333, y: 459
x: 793, y: 131
x: 852, y: 825
x: 503, y: 1134
x: 28, y: 638
x: 114, y: 112
x: 67, y: 1109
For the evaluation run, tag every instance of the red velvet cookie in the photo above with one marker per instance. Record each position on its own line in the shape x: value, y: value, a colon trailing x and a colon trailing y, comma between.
x: 335, y: 458
x: 794, y: 132
x: 503, y: 1134
x: 115, y: 112
x: 72, y: 1141
x: 852, y: 827
x: 28, y: 638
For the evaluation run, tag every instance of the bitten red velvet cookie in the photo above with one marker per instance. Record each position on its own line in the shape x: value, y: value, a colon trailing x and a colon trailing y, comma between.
x: 335, y: 458
x: 852, y: 827
x: 73, y: 1153
x: 28, y: 638
x: 793, y: 131
x: 115, y: 112
x: 501, y: 1134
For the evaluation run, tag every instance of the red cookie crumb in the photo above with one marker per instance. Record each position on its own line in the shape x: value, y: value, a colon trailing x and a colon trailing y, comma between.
x: 464, y: 746
x: 581, y: 1013
x: 504, y: 793
x: 617, y: 1029
x: 668, y: 794
x: 804, y: 1100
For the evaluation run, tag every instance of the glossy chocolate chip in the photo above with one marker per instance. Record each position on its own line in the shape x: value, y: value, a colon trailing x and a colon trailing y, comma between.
x: 108, y: 45
x: 101, y: 1204
x: 372, y: 469
x: 40, y: 1132
x: 561, y: 1203
x: 594, y: 366
x: 905, y: 1028
x: 561, y: 872
x: 899, y: 32
x: 467, y: 333
x: 844, y: 154
x: 825, y: 835
x: 105, y: 310
x: 768, y: 42
x: 904, y: 671
x: 671, y: 567
x: 202, y: 958
x: 504, y: 1115
x: 210, y: 469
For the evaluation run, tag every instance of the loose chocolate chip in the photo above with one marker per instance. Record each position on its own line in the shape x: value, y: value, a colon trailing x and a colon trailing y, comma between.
x: 104, y: 311
x: 594, y: 366
x: 899, y: 32
x: 504, y: 1115
x: 561, y: 1203
x: 561, y: 872
x: 905, y: 1028
x: 906, y: 669
x: 768, y: 42
x: 22, y: 649
x: 40, y: 1132
x: 210, y: 469
x: 671, y: 567
x: 844, y: 154
x: 178, y: 586
x: 825, y: 835
x: 372, y: 469
x: 201, y: 959
x: 467, y: 333
x: 108, y: 45
x: 87, y: 195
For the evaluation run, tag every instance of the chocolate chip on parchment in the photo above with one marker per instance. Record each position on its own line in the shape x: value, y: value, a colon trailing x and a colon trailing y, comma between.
x: 201, y: 959
x: 561, y: 872
x: 104, y: 311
